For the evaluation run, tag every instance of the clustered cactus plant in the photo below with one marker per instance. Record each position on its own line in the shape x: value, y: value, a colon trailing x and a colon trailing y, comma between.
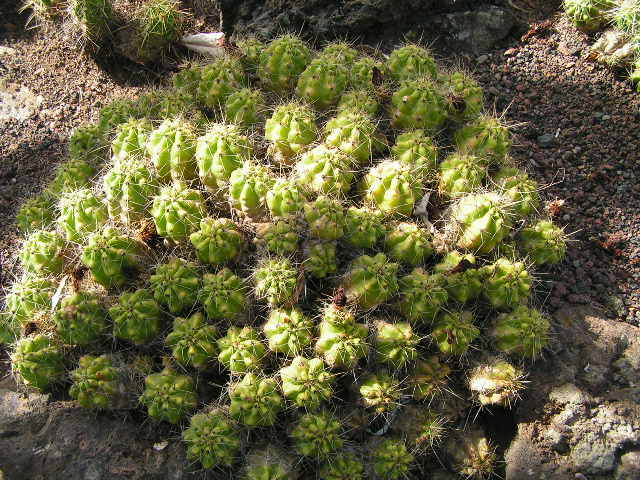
x: 300, y: 272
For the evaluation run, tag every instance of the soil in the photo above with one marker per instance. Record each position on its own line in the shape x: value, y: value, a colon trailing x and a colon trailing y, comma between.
x: 576, y: 132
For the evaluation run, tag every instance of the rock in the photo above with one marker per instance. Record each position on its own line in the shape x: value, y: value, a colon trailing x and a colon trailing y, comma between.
x: 629, y: 467
x: 17, y: 103
x: 547, y: 140
x: 475, y: 30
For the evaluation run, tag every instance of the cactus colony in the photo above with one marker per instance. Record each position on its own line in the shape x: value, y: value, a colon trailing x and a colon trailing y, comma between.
x: 291, y: 272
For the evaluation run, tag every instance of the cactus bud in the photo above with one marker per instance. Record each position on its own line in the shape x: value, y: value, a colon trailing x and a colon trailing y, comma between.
x: 421, y: 295
x: 523, y: 332
x: 177, y: 211
x: 284, y: 59
x: 380, y: 392
x: 129, y: 187
x: 363, y: 227
x: 410, y: 62
x: 277, y: 281
x: 317, y: 435
x: 543, y: 242
x: 507, y: 284
x: 37, y: 213
x: 325, y: 217
x: 320, y: 259
x: 342, y: 466
x: 395, y: 343
x: 43, y: 253
x: 485, y: 137
x: 371, y: 281
x: 212, y: 439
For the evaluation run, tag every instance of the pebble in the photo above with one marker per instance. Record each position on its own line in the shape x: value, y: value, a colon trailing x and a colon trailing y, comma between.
x: 546, y: 140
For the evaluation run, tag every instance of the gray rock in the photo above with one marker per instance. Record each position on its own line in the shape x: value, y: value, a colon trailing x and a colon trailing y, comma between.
x: 629, y: 467
x: 547, y: 140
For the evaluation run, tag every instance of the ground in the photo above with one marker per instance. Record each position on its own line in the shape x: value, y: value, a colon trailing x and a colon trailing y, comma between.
x: 576, y: 131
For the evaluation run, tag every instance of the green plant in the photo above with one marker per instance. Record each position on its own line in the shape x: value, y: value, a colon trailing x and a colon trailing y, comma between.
x: 81, y: 213
x: 280, y: 237
x: 342, y: 52
x: 543, y: 242
x: 470, y: 453
x: 395, y: 343
x: 626, y: 16
x: 43, y: 253
x: 248, y: 188
x: 463, y: 276
x: 365, y: 70
x: 410, y: 62
x: 290, y: 129
x: 136, y: 317
x: 325, y: 170
x: 129, y: 187
x: 223, y: 295
x: 391, y: 459
x: 422, y: 427
x: 380, y: 392
x: 286, y: 198
x: 588, y: 15
x: 284, y: 59
x: 241, y: 350
x: 177, y: 211
x: 270, y: 463
x: 364, y: 227
x: 371, y: 281
x: 496, y: 382
x: 408, y: 243
x: 212, y: 439
x: 251, y: 48
x: 306, y: 382
x: 417, y: 150
x: 354, y: 133
x: 317, y: 435
x: 321, y: 259
x: 192, y: 341
x: 172, y: 149
x: 218, y: 241
x: 520, y: 189
x: 159, y: 23
x: 359, y: 100
x: 325, y: 216
x: 38, y: 361
x: 218, y: 80
x: 176, y: 284
x: 255, y: 401
x: 422, y: 295
x: 96, y: 382
x: 169, y: 396
x: 454, y: 332
x: 244, y: 107
x: 342, y: 342
x: 429, y: 378
x: 130, y: 138
x: 28, y: 296
x: 486, y: 137
x: 418, y: 104
x: 72, y: 175
x: 288, y: 331
x: 393, y: 187
x: 87, y: 143
x: 464, y: 97
x: 323, y: 81
x: 523, y: 332
x: 93, y: 18
x: 342, y: 466
x: 461, y: 174
x: 37, y: 213
x: 276, y: 281
x: 507, y: 284
x: 81, y: 319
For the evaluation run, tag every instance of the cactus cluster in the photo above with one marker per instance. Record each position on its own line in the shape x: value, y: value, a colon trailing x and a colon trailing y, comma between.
x: 345, y: 285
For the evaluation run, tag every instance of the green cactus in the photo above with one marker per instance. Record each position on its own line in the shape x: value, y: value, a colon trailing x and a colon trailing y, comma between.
x: 325, y: 170
x: 354, y: 133
x: 464, y: 97
x: 408, y: 243
x: 342, y: 342
x: 306, y: 382
x: 320, y: 259
x: 520, y: 189
x: 177, y: 211
x: 192, y: 341
x: 130, y: 139
x: 362, y: 73
x: 87, y: 143
x: 93, y: 18
x: 291, y: 129
x: 411, y: 62
x: 395, y: 343
x: 391, y: 459
x: 284, y: 59
x: 250, y: 48
x: 523, y: 332
x: 360, y: 101
x: 422, y: 295
x: 325, y: 217
x: 380, y: 392
x: 507, y: 284
x: 470, y: 454
x: 81, y: 213
x: 393, y: 187
x: 241, y: 350
x: 218, y: 80
x: 464, y: 278
x: 255, y: 401
x: 341, y: 52
x: 484, y: 137
x: 543, y: 242
x: 37, y: 213
x: 129, y: 187
x: 342, y: 466
x: 460, y: 174
x: 626, y: 16
x: 323, y: 81
x: 286, y: 198
x: 288, y: 331
x: 169, y: 396
x: 223, y: 295
x: 171, y: 148
x: 244, y: 107
x: 38, y: 361
x: 422, y: 427
x: 81, y: 319
x: 116, y: 113
x: 96, y: 382
x: 111, y: 257
x: 418, y: 104
x: 483, y: 219
x: 270, y: 463
x: 218, y: 241
x: 588, y: 15
x: 317, y: 435
x: 280, y: 237
x: 159, y: 23
x: 29, y: 296
x: 454, y: 332
x: 634, y: 74
x: 43, y: 253
x: 363, y: 227
x: 416, y: 149
x: 496, y: 383
x: 9, y: 328
x: 176, y: 284
x: 137, y: 317
x: 71, y: 175
x: 428, y: 378
x: 219, y: 152
x: 371, y: 281
x: 276, y: 281
x: 248, y: 188
x: 212, y: 439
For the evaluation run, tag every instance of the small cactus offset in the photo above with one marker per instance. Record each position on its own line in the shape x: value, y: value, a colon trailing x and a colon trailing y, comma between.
x: 391, y: 459
x: 416, y: 149
x: 280, y: 237
x: 393, y: 187
x: 306, y: 382
x: 43, y: 253
x: 281, y: 63
x: 291, y: 128
x: 29, y: 296
x: 81, y: 213
x: 470, y: 454
x: 410, y: 62
x: 325, y: 216
x: 366, y: 73
x: 342, y: 341
x: 396, y: 343
x: 371, y: 281
x: 218, y: 80
x: 270, y: 463
x: 418, y: 104
x: 354, y: 133
x: 463, y: 95
x: 193, y: 342
x: 223, y: 295
x: 380, y: 392
x: 212, y: 439
x: 428, y: 378
x: 87, y: 143
x: 72, y: 175
x: 129, y: 188
x: 422, y: 427
x: 342, y: 466
x: 218, y: 241
x: 277, y: 281
x: 244, y: 107
x: 323, y: 81
x: 520, y: 189
x: 255, y: 401
x: 325, y: 170
x: 169, y: 396
x: 454, y: 332
x: 172, y: 148
x: 588, y: 15
x: 248, y: 189
x: 317, y: 435
x: 97, y: 382
x: 285, y: 199
x: 176, y: 284
x: 38, y: 361
x: 81, y: 319
x: 251, y: 48
x: 523, y: 332
x: 543, y: 242
x: 364, y: 227
x: 241, y: 350
x: 507, y: 284
x: 320, y: 259
x: 130, y: 140
x: 408, y: 243
x: 422, y: 295
x: 342, y: 52
x: 359, y: 101
x: 177, y: 211
x: 136, y: 317
x: 37, y: 213
x: 461, y: 173
x: 288, y: 331
x: 496, y: 383
x: 464, y: 278
x: 93, y: 18
x: 484, y: 137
